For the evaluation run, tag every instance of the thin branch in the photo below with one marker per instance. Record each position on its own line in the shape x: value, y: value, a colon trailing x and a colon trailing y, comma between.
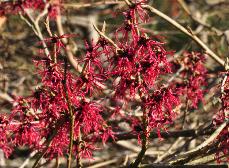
x: 164, y: 134
x: 128, y: 2
x: 171, y: 79
x: 57, y: 164
x: 42, y: 14
x: 78, y: 159
x: 168, y: 151
x: 144, y: 138
x: 36, y: 28
x: 6, y: 97
x: 29, y: 24
x: 186, y: 9
x: 226, y: 67
x: 185, y: 31
x: 69, y: 53
x: 72, y: 118
x: 183, y: 166
x: 95, y: 4
x: 107, y: 38
x: 181, y: 158
x: 25, y: 163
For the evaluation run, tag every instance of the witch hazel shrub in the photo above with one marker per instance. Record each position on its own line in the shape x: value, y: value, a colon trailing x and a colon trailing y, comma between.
x: 66, y: 115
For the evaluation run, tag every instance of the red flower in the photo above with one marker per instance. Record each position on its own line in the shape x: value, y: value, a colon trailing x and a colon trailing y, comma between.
x: 90, y: 117
x: 125, y: 31
x: 136, y: 10
x: 194, y: 78
x: 92, y: 58
x: 57, y: 41
x: 59, y: 145
x: 159, y: 107
x: 4, y: 140
x: 15, y: 7
x: 27, y: 134
x: 90, y: 81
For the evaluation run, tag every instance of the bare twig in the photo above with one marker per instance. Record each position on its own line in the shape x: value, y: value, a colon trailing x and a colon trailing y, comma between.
x: 226, y: 67
x: 41, y: 15
x: 78, y: 159
x: 70, y: 55
x: 203, y: 145
x: 25, y: 163
x: 185, y: 31
x: 6, y: 97
x: 107, y: 38
x: 72, y: 117
x: 36, y: 28
x: 183, y: 166
x: 95, y: 4
x: 174, y: 76
x: 164, y: 134
x: 145, y: 137
x: 169, y: 150
x: 57, y: 164
x: 186, y: 9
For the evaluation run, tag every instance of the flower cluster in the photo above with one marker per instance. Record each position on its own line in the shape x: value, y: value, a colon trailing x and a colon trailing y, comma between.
x: 140, y: 59
x: 221, y: 116
x: 133, y: 68
x: 4, y: 143
x: 160, y: 107
x: 193, y: 78
x: 46, y: 114
x: 18, y: 6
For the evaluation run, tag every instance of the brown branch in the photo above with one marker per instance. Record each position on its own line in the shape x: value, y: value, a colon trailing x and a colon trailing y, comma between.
x: 26, y: 162
x: 69, y: 53
x: 183, y: 166
x: 185, y: 31
x: 71, y: 118
x: 194, y: 152
x: 78, y: 159
x: 106, y: 38
x: 95, y: 4
x: 35, y: 26
x: 145, y: 137
x: 186, y: 9
x: 169, y: 150
x: 164, y: 134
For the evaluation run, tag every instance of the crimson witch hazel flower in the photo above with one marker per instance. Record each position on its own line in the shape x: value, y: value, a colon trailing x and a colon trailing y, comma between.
x: 19, y: 6
x: 6, y: 147
x: 107, y: 50
x: 91, y: 81
x: 93, y: 56
x: 124, y: 61
x: 132, y: 15
x: 159, y: 106
x: 126, y: 84
x: 27, y: 134
x: 193, y: 78
x: 125, y: 31
x: 138, y: 62
x: 135, y: 11
x: 55, y: 44
x: 143, y: 60
x: 221, y: 116
x: 39, y: 116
